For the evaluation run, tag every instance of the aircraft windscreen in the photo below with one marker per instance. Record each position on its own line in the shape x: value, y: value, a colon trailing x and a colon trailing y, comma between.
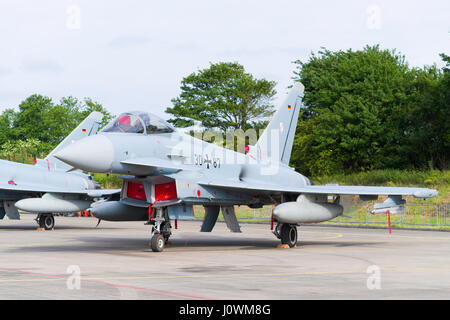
x: 138, y: 122
x: 126, y: 122
x: 154, y: 124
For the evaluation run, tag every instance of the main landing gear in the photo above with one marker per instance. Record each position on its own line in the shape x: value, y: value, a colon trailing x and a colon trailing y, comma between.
x: 161, y: 230
x: 46, y: 221
x: 287, y: 233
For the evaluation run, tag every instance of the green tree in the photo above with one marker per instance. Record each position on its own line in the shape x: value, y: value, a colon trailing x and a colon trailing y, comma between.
x: 40, y: 119
x: 80, y: 109
x: 349, y: 97
x: 31, y: 121
x: 367, y: 109
x: 6, y: 125
x: 223, y: 96
x: 22, y: 151
x: 90, y: 106
x: 420, y: 127
x: 444, y: 90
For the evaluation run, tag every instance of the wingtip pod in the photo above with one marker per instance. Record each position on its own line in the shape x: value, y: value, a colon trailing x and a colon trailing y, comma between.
x: 425, y: 193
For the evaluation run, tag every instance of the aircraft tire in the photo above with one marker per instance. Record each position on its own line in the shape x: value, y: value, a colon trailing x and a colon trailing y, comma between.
x: 288, y: 235
x: 47, y: 221
x: 157, y: 243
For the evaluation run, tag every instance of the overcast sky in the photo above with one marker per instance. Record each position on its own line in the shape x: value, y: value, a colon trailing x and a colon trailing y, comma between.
x: 132, y: 55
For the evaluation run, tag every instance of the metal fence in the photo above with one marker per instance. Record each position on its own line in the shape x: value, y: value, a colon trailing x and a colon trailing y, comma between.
x: 426, y: 215
x: 414, y: 215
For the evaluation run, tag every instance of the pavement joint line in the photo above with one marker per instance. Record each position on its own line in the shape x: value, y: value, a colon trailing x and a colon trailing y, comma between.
x: 248, y: 275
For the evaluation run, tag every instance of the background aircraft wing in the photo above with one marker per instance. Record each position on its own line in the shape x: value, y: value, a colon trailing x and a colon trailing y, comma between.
x: 326, y: 189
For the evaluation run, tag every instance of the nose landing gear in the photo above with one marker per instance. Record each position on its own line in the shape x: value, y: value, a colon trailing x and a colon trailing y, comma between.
x: 161, y: 230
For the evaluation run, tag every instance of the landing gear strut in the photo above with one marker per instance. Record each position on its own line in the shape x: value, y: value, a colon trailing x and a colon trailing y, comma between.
x: 161, y: 230
x: 46, y: 221
x: 287, y: 233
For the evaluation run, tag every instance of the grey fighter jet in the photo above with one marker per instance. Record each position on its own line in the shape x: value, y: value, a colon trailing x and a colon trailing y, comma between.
x: 165, y: 172
x: 47, y: 187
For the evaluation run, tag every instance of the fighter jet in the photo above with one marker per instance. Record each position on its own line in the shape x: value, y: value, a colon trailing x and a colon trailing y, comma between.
x: 47, y: 187
x: 166, y: 172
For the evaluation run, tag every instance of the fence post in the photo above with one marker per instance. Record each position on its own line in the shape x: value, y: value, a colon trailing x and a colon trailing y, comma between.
x: 410, y: 214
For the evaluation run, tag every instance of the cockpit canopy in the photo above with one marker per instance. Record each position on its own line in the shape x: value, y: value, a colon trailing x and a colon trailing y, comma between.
x: 138, y: 122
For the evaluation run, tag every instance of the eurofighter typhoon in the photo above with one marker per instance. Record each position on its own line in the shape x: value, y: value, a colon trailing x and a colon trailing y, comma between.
x: 46, y: 187
x: 166, y: 172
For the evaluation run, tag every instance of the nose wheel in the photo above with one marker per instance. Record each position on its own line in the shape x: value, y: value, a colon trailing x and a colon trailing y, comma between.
x: 158, y: 243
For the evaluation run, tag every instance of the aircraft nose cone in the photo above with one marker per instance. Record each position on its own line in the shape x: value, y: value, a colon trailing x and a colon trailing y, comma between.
x: 92, y: 154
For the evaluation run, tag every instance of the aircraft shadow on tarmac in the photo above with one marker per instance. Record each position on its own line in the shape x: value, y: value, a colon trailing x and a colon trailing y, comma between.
x: 121, y: 244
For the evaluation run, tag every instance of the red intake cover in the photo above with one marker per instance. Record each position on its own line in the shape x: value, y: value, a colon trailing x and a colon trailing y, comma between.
x: 166, y: 191
x: 136, y: 191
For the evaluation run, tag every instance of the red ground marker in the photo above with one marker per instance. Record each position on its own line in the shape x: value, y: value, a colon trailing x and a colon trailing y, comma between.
x: 389, y: 221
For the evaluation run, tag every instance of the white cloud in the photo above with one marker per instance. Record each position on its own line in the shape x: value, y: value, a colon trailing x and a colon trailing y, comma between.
x: 129, y: 41
x: 41, y: 66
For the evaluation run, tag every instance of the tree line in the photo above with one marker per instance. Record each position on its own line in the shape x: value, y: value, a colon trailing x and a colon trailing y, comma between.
x: 40, y: 124
x: 368, y: 110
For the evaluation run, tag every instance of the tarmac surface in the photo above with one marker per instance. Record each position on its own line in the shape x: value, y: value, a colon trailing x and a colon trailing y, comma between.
x: 114, y: 261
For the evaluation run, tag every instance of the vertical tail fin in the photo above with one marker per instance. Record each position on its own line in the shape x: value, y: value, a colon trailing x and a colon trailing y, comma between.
x: 277, y: 139
x: 87, y: 127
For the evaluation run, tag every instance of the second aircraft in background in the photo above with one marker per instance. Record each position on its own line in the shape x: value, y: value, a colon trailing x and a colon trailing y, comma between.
x: 50, y: 186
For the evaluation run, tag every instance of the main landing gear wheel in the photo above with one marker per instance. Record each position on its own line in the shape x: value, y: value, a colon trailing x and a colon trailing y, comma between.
x: 158, y: 243
x: 288, y: 234
x: 46, y: 221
